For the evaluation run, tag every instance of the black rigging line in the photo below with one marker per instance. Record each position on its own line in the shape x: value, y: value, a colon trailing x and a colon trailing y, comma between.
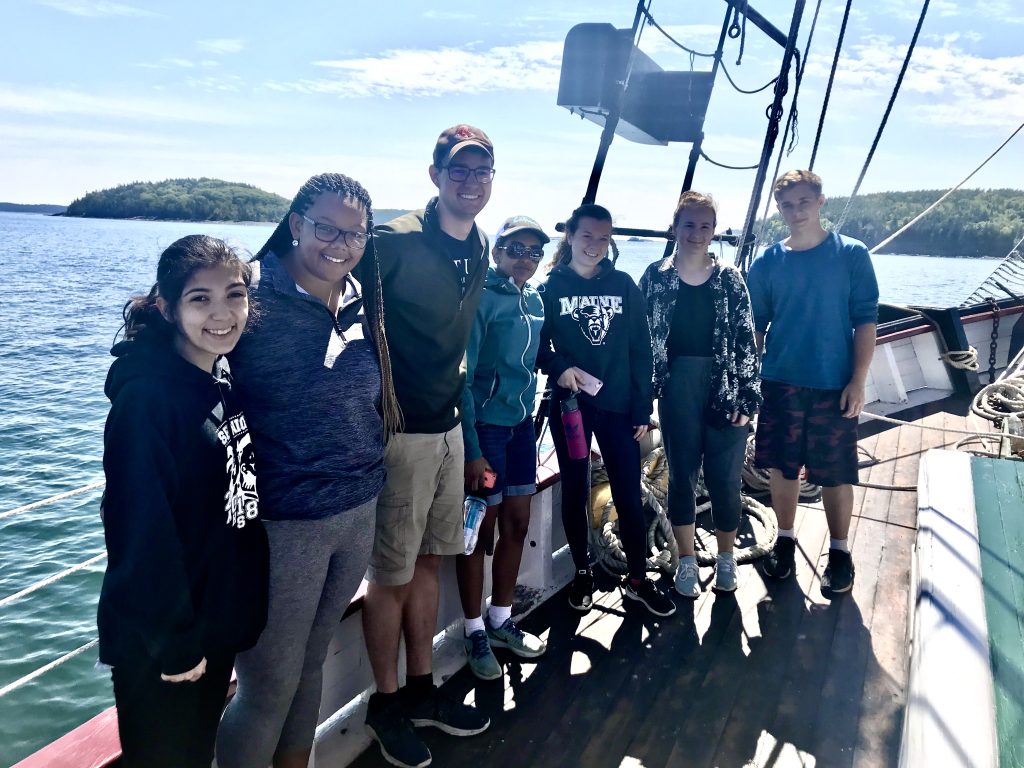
x: 657, y: 26
x: 885, y: 117
x: 728, y: 167
x: 831, y: 80
x: 732, y: 82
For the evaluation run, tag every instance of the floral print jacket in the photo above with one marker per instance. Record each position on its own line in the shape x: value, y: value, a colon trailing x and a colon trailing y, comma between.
x: 736, y: 383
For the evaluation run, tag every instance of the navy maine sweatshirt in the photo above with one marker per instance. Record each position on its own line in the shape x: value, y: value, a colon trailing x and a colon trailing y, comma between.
x: 599, y: 324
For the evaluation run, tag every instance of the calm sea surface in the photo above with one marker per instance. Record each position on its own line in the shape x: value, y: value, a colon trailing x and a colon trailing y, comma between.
x: 62, y: 285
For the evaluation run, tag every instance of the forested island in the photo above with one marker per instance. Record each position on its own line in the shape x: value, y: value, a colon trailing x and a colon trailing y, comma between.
x: 31, y: 208
x: 183, y: 199
x: 971, y: 222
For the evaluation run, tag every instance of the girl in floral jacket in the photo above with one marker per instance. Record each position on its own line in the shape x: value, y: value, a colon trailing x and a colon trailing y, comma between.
x: 706, y: 379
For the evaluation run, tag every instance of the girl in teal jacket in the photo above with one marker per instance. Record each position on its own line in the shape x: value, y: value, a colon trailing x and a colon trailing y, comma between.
x: 497, y: 427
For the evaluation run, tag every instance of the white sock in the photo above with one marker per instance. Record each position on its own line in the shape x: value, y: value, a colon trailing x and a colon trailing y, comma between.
x: 839, y: 544
x: 725, y: 555
x: 786, y: 533
x: 498, y: 614
x: 474, y: 625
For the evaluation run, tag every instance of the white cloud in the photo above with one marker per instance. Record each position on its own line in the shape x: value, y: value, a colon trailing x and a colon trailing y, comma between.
x: 56, y: 101
x: 222, y: 46
x: 96, y: 8
x: 420, y: 72
x: 946, y: 83
x: 433, y: 13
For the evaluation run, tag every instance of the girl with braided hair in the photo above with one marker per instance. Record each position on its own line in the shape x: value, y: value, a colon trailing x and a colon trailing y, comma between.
x: 320, y: 401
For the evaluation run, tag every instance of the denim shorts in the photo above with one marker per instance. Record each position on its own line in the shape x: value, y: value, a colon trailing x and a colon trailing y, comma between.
x: 512, y: 454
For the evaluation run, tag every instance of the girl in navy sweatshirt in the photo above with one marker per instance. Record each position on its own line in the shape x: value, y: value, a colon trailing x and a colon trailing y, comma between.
x: 595, y: 326
x: 186, y: 580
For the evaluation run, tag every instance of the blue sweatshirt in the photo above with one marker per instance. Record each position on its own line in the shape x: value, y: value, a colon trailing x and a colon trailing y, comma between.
x: 501, y: 385
x: 310, y: 384
x: 809, y: 302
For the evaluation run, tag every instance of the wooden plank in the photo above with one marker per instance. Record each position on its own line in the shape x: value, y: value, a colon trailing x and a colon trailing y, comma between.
x: 998, y: 491
x: 95, y: 744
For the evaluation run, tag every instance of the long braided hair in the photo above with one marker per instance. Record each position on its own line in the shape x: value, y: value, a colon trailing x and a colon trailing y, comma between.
x: 280, y: 243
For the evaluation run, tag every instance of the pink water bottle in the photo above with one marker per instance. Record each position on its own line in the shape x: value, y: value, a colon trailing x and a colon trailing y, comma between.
x: 572, y: 422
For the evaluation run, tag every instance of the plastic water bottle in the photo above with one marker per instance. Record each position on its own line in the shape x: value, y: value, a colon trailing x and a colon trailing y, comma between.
x: 572, y: 422
x: 475, y: 508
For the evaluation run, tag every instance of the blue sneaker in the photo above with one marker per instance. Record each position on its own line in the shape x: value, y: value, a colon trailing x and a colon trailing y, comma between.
x: 508, y: 635
x: 481, y: 658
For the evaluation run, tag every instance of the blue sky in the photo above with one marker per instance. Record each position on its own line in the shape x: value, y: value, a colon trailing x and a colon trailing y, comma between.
x: 95, y: 93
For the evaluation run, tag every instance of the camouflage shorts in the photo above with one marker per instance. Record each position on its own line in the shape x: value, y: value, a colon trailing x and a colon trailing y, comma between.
x: 802, y: 427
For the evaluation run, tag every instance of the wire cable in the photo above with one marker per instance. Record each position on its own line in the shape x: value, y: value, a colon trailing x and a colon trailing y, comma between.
x: 831, y: 81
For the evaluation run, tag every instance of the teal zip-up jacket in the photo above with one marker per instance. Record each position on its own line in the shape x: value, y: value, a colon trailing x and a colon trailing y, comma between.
x: 501, y: 385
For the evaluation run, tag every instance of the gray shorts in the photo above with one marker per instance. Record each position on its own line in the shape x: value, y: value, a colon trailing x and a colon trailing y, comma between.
x: 420, y: 509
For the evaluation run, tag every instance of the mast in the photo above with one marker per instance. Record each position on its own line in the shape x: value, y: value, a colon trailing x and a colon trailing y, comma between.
x: 774, y: 118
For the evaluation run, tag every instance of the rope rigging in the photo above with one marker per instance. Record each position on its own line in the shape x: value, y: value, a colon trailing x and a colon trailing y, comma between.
x: 885, y: 117
x: 650, y: 20
x: 831, y: 81
x: 938, y: 202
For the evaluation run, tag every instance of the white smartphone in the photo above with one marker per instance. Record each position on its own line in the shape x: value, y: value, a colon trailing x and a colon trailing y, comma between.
x: 589, y: 384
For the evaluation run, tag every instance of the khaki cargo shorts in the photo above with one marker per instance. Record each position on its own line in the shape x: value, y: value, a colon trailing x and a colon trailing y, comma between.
x: 420, y: 509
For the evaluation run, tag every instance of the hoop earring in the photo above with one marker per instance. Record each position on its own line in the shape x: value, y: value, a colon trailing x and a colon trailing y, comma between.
x: 295, y: 243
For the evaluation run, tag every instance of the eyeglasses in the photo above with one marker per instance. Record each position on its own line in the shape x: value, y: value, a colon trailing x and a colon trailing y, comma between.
x: 326, y: 233
x: 516, y: 250
x: 459, y: 173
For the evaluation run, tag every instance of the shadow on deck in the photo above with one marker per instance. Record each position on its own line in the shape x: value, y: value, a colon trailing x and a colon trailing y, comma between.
x: 772, y: 675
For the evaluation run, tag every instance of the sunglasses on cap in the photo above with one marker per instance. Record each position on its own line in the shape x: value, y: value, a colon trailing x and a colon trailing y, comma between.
x: 516, y: 250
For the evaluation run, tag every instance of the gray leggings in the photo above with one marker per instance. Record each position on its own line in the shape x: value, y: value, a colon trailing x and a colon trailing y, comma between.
x: 690, y: 440
x: 316, y: 566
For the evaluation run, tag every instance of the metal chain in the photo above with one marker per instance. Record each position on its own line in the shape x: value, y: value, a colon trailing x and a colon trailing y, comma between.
x: 994, y: 306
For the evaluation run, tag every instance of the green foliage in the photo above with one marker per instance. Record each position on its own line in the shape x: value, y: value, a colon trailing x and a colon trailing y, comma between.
x: 971, y: 222
x: 188, y: 199
x: 31, y: 208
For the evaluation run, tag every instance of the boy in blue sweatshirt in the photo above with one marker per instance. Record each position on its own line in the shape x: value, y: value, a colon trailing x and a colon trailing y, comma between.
x: 815, y: 303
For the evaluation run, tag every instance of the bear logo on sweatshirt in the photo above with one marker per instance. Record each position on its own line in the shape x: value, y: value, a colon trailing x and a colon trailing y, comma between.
x: 593, y: 313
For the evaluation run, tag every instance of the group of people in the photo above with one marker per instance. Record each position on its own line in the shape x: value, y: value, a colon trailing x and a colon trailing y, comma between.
x: 378, y: 375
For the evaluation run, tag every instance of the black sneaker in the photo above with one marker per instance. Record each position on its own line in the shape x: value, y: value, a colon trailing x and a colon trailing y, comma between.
x: 399, y: 744
x: 838, y: 575
x: 581, y: 591
x: 778, y: 564
x: 446, y: 714
x: 645, y: 592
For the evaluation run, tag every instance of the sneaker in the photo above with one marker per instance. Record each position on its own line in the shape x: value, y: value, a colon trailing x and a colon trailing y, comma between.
x: 838, y: 575
x: 399, y: 744
x: 725, y: 574
x: 447, y: 714
x: 508, y: 635
x: 481, y: 657
x: 778, y: 564
x: 581, y: 591
x: 645, y: 592
x: 688, y: 577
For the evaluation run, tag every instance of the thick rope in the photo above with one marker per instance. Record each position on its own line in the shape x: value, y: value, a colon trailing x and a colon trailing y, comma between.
x: 52, y: 579
x: 885, y: 118
x: 939, y: 202
x: 831, y: 81
x: 21, y: 681
x: 58, y: 497
x: 964, y: 361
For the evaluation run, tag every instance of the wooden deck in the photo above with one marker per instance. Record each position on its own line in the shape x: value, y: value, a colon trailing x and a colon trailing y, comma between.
x: 773, y: 675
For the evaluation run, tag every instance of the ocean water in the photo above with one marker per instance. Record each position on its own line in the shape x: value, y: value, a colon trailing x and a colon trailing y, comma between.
x: 62, y: 285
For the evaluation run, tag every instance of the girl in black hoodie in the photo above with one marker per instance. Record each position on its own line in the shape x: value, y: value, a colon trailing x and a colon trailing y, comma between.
x: 595, y: 326
x: 186, y: 581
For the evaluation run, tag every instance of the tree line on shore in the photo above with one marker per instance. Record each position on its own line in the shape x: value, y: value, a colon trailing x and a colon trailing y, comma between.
x: 189, y: 199
x: 971, y: 222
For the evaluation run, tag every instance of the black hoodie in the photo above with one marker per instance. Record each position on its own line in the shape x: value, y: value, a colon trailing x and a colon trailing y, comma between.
x: 187, y: 555
x: 600, y: 326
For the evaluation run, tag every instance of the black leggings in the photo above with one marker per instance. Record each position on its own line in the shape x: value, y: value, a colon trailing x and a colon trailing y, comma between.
x: 169, y: 725
x: 621, y: 454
